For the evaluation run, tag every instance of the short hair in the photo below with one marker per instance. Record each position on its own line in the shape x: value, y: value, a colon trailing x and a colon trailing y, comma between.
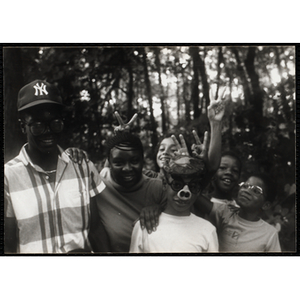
x: 124, y: 139
x: 235, y: 156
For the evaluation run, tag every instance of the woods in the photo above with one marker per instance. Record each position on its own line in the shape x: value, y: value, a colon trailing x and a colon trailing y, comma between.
x: 168, y: 87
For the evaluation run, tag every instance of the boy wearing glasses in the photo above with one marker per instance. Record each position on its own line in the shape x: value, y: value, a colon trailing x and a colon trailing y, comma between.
x: 48, y: 199
x: 179, y: 230
x: 243, y: 230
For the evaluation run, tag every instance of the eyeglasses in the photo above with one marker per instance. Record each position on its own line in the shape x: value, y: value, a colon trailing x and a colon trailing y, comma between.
x: 38, y: 128
x: 255, y: 188
x: 177, y: 185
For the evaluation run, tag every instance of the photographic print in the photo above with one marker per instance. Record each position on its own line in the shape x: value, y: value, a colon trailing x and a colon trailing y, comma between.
x: 150, y: 149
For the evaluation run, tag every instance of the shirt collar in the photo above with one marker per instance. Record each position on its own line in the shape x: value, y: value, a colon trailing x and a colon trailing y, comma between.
x: 24, y: 157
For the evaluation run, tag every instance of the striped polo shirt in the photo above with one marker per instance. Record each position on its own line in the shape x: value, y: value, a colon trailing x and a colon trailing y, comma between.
x: 50, y: 220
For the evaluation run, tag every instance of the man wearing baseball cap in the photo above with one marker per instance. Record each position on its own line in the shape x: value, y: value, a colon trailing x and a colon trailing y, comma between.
x: 49, y: 199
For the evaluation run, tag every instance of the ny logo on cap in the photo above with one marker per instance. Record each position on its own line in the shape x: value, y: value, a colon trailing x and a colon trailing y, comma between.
x: 40, y: 90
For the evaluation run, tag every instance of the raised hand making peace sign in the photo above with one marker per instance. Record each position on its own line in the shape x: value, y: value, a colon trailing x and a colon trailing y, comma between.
x: 122, y: 126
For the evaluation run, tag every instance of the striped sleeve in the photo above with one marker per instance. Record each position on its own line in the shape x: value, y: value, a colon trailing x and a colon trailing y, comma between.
x: 96, y: 183
x: 8, y: 209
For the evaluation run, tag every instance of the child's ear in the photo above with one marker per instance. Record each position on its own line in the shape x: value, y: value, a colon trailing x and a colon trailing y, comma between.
x: 266, y: 205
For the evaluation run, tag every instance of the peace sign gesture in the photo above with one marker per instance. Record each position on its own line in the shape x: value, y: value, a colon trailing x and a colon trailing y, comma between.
x: 200, y: 150
x: 122, y: 126
x: 181, y: 149
x: 216, y: 109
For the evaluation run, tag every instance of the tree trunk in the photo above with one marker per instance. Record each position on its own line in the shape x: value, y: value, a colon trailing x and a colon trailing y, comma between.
x: 205, y: 85
x: 194, y: 51
x: 149, y: 94
x: 257, y: 99
x: 130, y: 93
x: 162, y: 94
x: 220, y: 60
x: 13, y: 81
x: 242, y: 75
x: 286, y: 108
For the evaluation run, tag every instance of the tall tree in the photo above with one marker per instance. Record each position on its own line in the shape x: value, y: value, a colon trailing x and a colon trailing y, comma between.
x: 162, y: 94
x: 13, y: 81
x: 149, y: 95
x: 194, y: 51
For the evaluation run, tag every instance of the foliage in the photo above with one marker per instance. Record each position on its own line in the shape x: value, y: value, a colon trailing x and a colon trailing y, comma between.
x: 166, y: 86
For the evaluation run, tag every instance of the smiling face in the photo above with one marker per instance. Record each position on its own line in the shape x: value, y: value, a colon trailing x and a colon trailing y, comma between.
x: 126, y: 166
x: 227, y: 176
x: 250, y: 200
x: 180, y: 202
x: 45, y: 142
x: 165, y: 150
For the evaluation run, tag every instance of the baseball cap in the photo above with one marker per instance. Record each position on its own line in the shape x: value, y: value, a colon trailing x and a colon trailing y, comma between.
x: 38, y: 92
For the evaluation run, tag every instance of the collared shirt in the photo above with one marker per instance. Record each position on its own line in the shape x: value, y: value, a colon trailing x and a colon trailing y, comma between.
x: 50, y: 219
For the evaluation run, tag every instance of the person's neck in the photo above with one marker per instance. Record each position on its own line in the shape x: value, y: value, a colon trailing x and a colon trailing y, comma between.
x: 249, y: 216
x: 47, y: 161
x: 170, y: 211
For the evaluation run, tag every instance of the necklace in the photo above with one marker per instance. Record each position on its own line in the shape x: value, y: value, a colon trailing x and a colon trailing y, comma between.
x: 50, y: 172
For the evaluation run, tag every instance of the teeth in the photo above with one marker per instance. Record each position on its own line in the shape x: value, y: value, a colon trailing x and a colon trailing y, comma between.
x: 227, y: 180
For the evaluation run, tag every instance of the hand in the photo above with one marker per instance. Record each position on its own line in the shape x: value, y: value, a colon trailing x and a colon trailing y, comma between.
x: 216, y: 109
x: 149, y: 217
x: 122, y: 126
x: 77, y: 155
x: 181, y: 149
x: 200, y: 150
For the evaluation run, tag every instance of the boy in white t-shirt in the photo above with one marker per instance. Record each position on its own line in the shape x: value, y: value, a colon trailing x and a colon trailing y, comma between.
x: 179, y: 230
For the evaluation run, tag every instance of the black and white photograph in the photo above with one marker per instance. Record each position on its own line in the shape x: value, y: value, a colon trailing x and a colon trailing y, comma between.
x: 149, y: 149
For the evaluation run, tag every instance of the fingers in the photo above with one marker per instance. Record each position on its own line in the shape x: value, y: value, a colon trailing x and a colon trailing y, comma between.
x: 197, y: 139
x: 132, y: 119
x: 183, y: 144
x: 176, y: 142
x: 119, y: 118
x: 82, y: 155
x: 142, y: 219
x: 70, y: 153
x: 224, y: 93
x: 205, y: 144
x: 211, y: 95
x: 150, y: 222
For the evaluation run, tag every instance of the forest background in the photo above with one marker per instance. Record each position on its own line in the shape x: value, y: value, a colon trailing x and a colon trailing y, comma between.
x: 168, y: 86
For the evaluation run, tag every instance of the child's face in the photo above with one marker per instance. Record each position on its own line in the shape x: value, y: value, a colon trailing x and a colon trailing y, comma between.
x: 181, y: 195
x: 126, y: 166
x: 165, y: 150
x: 249, y: 197
x: 227, y: 175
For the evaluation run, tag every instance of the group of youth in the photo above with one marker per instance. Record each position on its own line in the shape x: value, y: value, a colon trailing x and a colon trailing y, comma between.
x: 57, y: 202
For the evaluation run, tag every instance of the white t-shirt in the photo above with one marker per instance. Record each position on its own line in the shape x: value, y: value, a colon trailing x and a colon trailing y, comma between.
x: 239, y: 235
x: 175, y: 234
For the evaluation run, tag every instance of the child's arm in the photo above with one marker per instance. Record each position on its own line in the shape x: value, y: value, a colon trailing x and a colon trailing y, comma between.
x: 203, y: 204
x: 273, y: 244
x: 215, y: 113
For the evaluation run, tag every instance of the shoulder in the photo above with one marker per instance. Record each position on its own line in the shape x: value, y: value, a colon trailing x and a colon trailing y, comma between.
x: 104, y: 173
x: 14, y: 166
x: 268, y: 227
x: 202, y: 222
